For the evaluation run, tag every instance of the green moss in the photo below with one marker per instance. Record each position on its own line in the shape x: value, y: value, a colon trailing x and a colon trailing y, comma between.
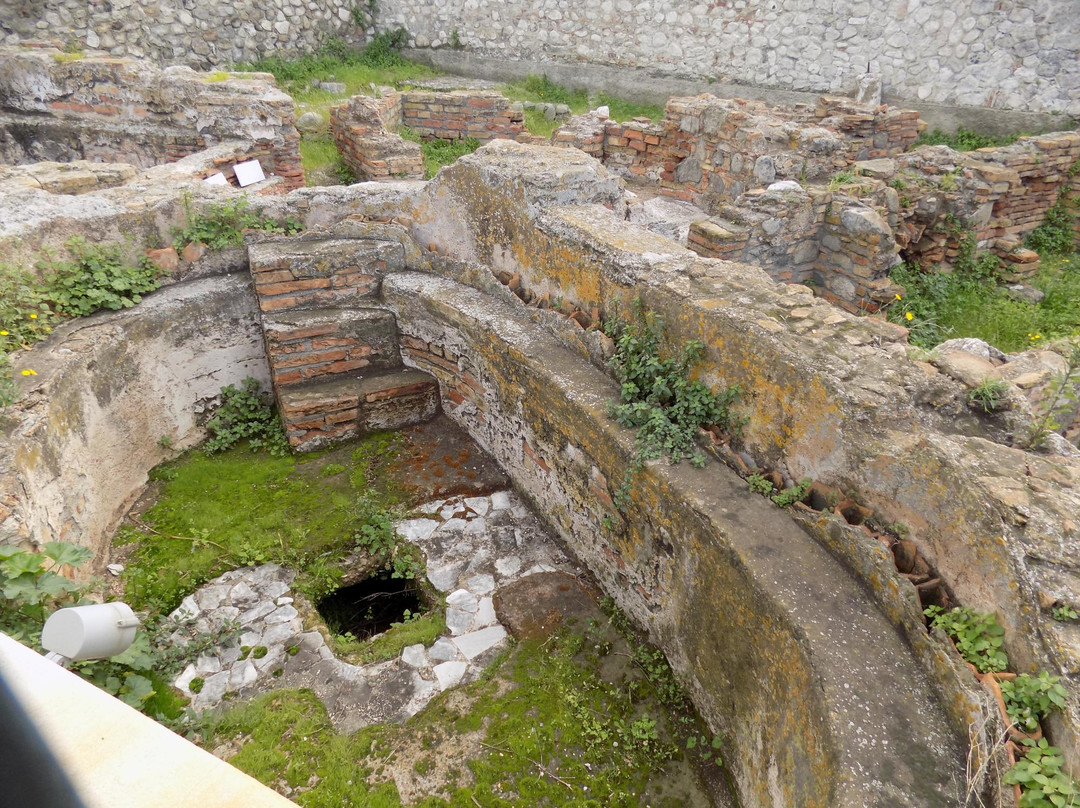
x: 554, y: 731
x: 389, y: 645
x: 240, y: 507
x: 218, y: 76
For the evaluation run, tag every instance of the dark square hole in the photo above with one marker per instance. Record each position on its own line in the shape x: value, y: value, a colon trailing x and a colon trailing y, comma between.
x: 371, y: 606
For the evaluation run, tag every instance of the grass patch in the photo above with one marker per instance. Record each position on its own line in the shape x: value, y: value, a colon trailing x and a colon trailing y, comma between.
x: 423, y: 629
x: 438, y: 153
x: 319, y: 155
x: 964, y: 140
x: 565, y: 721
x: 540, y: 89
x: 239, y: 507
x: 943, y: 306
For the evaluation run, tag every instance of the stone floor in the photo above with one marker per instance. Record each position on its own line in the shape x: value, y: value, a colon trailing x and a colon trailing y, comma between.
x: 474, y: 547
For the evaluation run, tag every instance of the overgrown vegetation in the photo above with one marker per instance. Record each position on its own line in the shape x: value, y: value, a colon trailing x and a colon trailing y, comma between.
x: 95, y: 277
x: 245, y: 413
x: 657, y: 395
x: 1062, y: 395
x: 541, y: 90
x: 1028, y: 699
x: 581, y: 718
x: 964, y: 140
x: 1042, y: 779
x: 33, y: 589
x: 990, y: 396
x: 978, y: 636
x: 438, y: 153
x: 222, y: 224
x: 236, y: 507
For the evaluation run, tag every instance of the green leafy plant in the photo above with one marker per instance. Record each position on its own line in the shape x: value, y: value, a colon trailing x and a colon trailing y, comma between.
x: 991, y: 395
x: 363, y: 14
x: 841, y: 178
x: 33, y: 587
x: 760, y: 484
x: 963, y: 140
x: 658, y: 397
x: 1055, y: 235
x: 454, y: 40
x: 221, y: 224
x: 1031, y: 698
x: 1063, y: 613
x: 96, y: 278
x: 245, y: 413
x: 978, y: 636
x: 1042, y: 779
x: 789, y: 496
x: 196, y: 684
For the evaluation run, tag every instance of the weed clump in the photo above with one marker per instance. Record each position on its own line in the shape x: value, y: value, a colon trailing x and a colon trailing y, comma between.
x: 245, y: 413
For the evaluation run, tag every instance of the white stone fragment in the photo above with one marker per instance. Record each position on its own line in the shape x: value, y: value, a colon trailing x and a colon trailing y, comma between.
x: 485, y: 615
x: 431, y: 507
x: 257, y: 613
x: 463, y: 599
x: 476, y: 527
x: 538, y: 568
x: 416, y: 529
x: 500, y: 501
x: 414, y: 656
x: 458, y: 621
x: 242, y: 674
x: 479, y: 504
x: 187, y: 610
x: 453, y: 526
x: 445, y: 578
x: 476, y: 642
x: 508, y: 566
x: 115, y: 569
x: 481, y: 584
x: 283, y: 601
x: 449, y: 674
x: 282, y: 614
x: 443, y: 650
x: 207, y: 663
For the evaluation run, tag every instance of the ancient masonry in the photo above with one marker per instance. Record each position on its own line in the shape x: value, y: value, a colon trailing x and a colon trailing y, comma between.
x: 115, y: 110
x: 976, y: 53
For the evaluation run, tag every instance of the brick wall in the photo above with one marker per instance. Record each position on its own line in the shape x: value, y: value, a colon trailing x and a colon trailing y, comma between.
x: 457, y: 383
x: 123, y: 110
x: 708, y: 149
x: 363, y: 130
x: 463, y: 114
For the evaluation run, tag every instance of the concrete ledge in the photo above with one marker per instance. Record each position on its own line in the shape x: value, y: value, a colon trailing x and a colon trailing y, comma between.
x: 115, y: 756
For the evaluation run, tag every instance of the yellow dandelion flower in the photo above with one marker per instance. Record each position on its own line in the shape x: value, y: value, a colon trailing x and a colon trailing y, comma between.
x: 3, y: 333
x: 898, y: 297
x: 29, y: 372
x: 910, y: 316
x: 33, y: 316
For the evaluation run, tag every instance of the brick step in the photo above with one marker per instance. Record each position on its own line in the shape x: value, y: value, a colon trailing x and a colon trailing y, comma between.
x: 304, y: 273
x: 328, y: 410
x: 310, y: 343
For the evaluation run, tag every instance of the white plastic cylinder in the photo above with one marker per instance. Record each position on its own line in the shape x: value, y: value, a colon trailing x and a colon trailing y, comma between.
x: 90, y: 632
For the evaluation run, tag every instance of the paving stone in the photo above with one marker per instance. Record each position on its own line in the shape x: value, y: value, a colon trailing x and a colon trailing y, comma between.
x: 508, y: 566
x: 500, y: 501
x: 208, y: 663
x: 443, y: 650
x: 257, y: 613
x: 414, y: 656
x: 278, y: 633
x: 475, y: 643
x: 481, y: 584
x: 453, y: 526
x: 210, y: 597
x: 463, y: 599
x: 449, y: 674
x: 281, y: 615
x: 283, y: 601
x: 416, y: 529
x: 213, y: 688
x: 485, y: 615
x: 187, y: 610
x: 458, y: 621
x: 479, y: 504
x: 476, y: 527
x: 241, y: 675
x: 242, y: 594
x: 445, y: 578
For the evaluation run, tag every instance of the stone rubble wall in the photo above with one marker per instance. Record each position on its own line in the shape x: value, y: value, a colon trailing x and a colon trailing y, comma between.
x: 185, y: 32
x: 54, y: 106
x: 980, y: 53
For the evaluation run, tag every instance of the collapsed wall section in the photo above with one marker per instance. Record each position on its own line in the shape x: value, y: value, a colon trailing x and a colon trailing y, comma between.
x: 56, y: 106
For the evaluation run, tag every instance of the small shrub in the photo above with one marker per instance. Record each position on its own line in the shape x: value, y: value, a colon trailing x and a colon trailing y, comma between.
x: 383, y: 49
x: 759, y: 485
x: 245, y: 413
x: 789, y: 496
x: 1063, y: 613
x: 978, y: 636
x: 964, y: 140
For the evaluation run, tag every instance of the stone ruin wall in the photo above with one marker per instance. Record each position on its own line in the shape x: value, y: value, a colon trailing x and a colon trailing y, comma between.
x: 976, y: 53
x: 199, y: 34
x: 979, y: 53
x: 103, y: 109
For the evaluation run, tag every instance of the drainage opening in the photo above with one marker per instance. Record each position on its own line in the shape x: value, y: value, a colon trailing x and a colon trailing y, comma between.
x: 371, y: 606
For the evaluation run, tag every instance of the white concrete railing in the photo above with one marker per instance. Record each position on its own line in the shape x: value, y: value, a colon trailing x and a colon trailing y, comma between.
x: 114, y: 756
